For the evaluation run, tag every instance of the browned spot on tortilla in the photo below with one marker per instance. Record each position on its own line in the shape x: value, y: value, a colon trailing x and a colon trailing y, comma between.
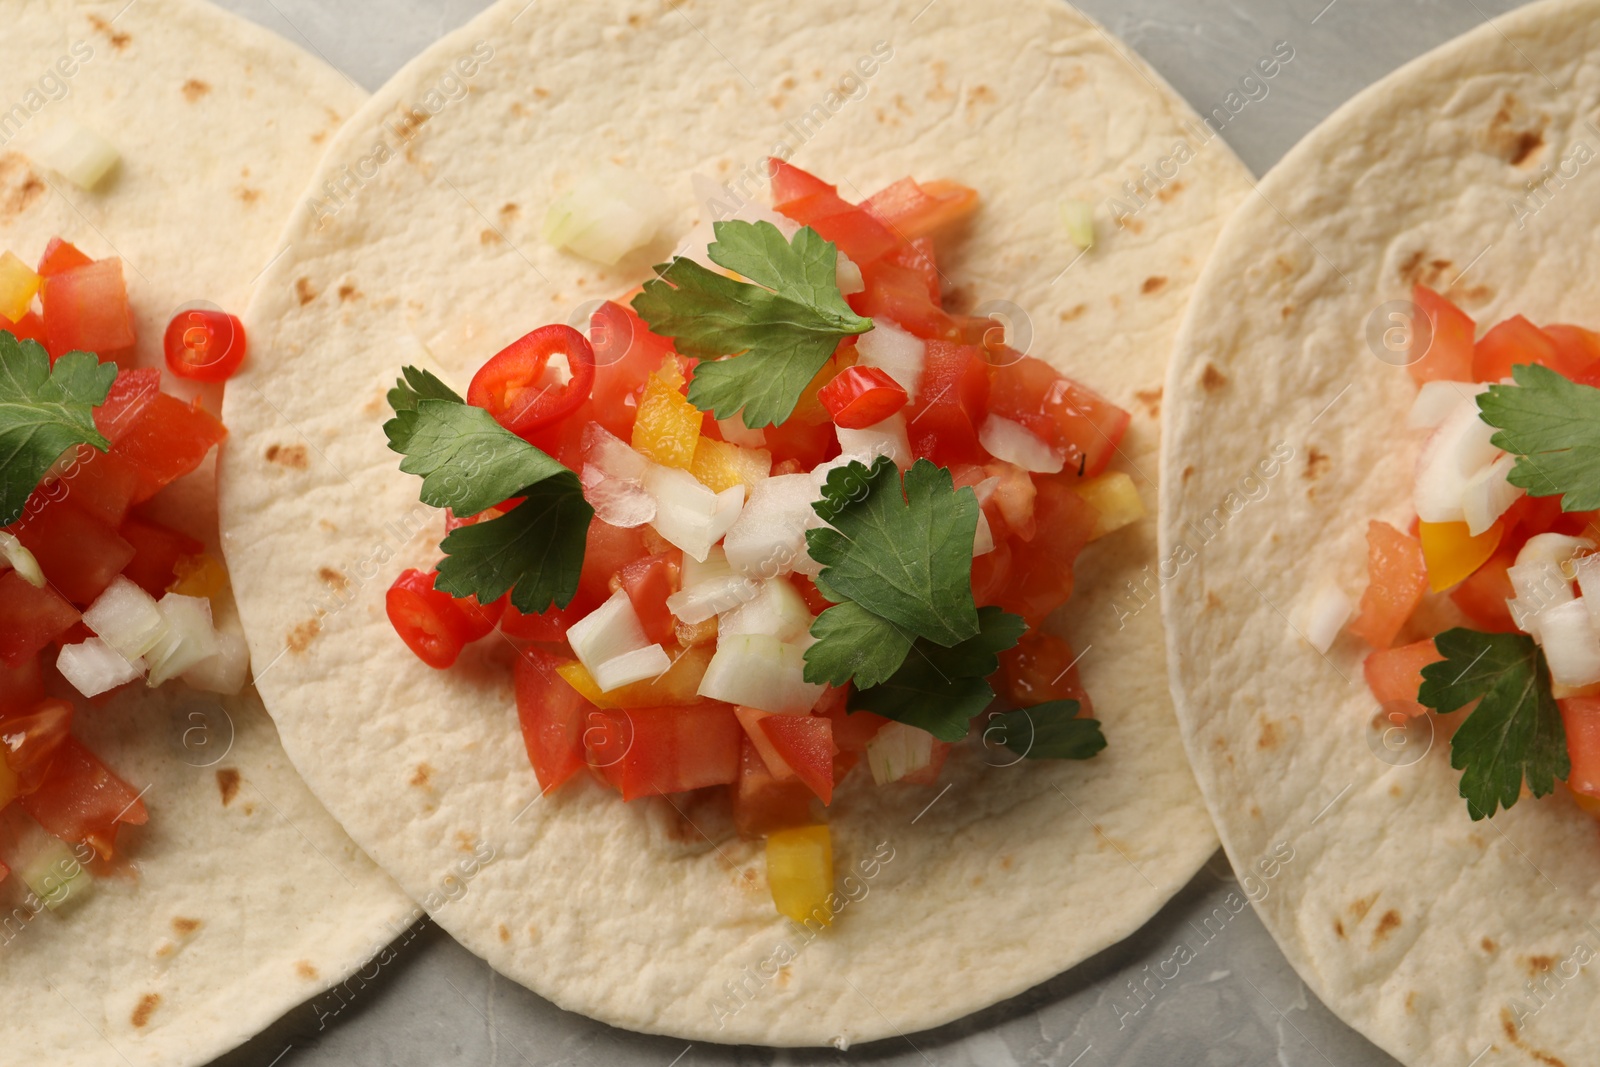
x: 1411, y: 1002
x: 319, y: 137
x: 1128, y: 222
x: 1255, y: 811
x: 1166, y: 194
x: 489, y: 237
x: 1317, y: 461
x: 1188, y: 472
x: 1395, y: 790
x: 288, y: 455
x: 228, y: 784
x: 1271, y: 735
x: 22, y: 186
x: 1153, y: 284
x: 301, y: 636
x: 302, y: 288
x: 1285, y: 265
x: 977, y: 881
x: 977, y: 95
x: 1386, y: 925
x: 785, y: 973
x: 305, y: 970
x: 1509, y: 1024
x: 185, y: 927
x: 1150, y: 398
x: 147, y: 1006
x: 119, y: 41
x: 348, y: 292
x: 1359, y: 909
x: 635, y: 20
x: 1411, y: 269
x: 194, y: 89
x: 167, y: 948
x: 465, y: 842
x: 1287, y: 311
x: 509, y: 211
x: 410, y: 123
x: 1212, y: 601
x: 1212, y: 379
x: 1488, y: 944
x: 1007, y: 862
x: 333, y: 578
x: 422, y: 776
x: 542, y: 94
x: 1537, y: 965
x: 504, y: 932
x: 1526, y: 145
x: 1338, y: 927
x: 1077, y: 312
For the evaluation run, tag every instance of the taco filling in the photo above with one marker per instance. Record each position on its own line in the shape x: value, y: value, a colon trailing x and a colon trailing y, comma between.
x: 1504, y: 543
x: 779, y: 518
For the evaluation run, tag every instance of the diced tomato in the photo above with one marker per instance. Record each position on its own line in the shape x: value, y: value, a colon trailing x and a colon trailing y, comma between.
x: 763, y: 803
x: 78, y: 553
x: 102, y: 484
x: 427, y: 620
x: 28, y: 328
x: 806, y: 744
x: 61, y: 256
x: 204, y: 345
x: 83, y: 801
x: 86, y: 309
x: 812, y: 202
x: 608, y: 550
x: 1395, y: 675
x: 943, y: 422
x: 929, y: 775
x: 1581, y: 717
x: 29, y: 742
x: 550, y: 627
x: 859, y: 397
x: 1482, y: 597
x: 129, y: 394
x: 164, y: 439
x: 1577, y: 352
x: 1039, y: 668
x: 514, y: 387
x: 156, y: 549
x: 1513, y: 341
x: 30, y: 618
x: 553, y: 717
x: 21, y: 686
x: 802, y: 443
x: 1450, y: 349
x: 1530, y: 516
x: 918, y: 256
x: 669, y: 750
x: 914, y: 210
x: 481, y: 619
x: 626, y: 353
x: 750, y: 722
x: 648, y: 582
x: 816, y: 603
x: 900, y: 293
x: 1398, y: 576
x: 1041, y: 576
x: 991, y: 573
x: 1067, y: 415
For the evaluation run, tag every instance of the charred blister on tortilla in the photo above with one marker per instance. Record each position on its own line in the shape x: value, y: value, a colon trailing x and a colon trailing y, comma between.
x: 764, y: 525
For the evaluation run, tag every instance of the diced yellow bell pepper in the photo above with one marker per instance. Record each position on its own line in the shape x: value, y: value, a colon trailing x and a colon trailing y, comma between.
x: 1116, y: 502
x: 667, y: 428
x: 676, y: 688
x: 18, y: 284
x: 199, y: 576
x: 1452, y: 554
x: 720, y: 465
x: 800, y: 873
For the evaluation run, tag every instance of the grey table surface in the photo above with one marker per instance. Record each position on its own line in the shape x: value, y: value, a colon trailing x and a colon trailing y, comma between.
x: 1241, y: 1005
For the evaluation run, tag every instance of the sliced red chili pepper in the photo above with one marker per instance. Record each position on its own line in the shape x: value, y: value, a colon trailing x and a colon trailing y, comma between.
x: 859, y: 397
x: 429, y: 622
x: 512, y: 385
x: 204, y: 345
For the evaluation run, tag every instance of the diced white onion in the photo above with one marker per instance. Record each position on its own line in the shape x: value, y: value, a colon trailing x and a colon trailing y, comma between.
x: 1015, y: 443
x: 696, y: 603
x: 1588, y: 569
x: 1078, y: 217
x: 227, y: 672
x: 76, y: 153
x: 611, y: 630
x: 1540, y: 585
x: 1456, y: 451
x: 735, y: 432
x: 1554, y: 548
x: 607, y: 214
x: 1571, y: 644
x: 1436, y: 400
x: 94, y: 667
x: 189, y: 638
x: 689, y: 515
x: 895, y: 352
x: 612, y: 455
x: 886, y: 438
x: 750, y: 719
x: 1489, y: 494
x: 1328, y: 612
x: 635, y: 666
x: 898, y: 750
x: 775, y: 609
x: 848, y: 276
x: 760, y: 671
x: 983, y: 539
x: 13, y: 554
x: 617, y: 501
x: 126, y: 618
x: 769, y: 538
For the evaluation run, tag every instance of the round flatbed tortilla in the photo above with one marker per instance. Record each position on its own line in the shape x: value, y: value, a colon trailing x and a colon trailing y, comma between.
x: 241, y: 897
x: 422, y: 246
x: 1442, y: 939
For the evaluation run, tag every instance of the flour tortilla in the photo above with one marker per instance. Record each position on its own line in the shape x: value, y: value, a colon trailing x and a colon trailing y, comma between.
x: 1416, y: 925
x: 241, y: 897
x: 629, y: 913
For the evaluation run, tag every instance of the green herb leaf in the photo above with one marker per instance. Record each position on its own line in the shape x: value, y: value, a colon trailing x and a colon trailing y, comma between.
x: 782, y: 330
x: 1515, y: 733
x: 535, y: 550
x: 1552, y: 426
x: 906, y: 557
x: 853, y: 643
x: 469, y: 463
x: 44, y: 411
x: 1047, y: 731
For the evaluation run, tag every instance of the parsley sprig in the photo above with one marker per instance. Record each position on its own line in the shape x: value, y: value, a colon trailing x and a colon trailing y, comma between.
x: 44, y: 411
x: 1515, y: 733
x: 469, y: 463
x: 1552, y: 426
x: 782, y: 330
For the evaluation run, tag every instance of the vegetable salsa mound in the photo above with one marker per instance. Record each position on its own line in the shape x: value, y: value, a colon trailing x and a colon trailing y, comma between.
x: 779, y: 518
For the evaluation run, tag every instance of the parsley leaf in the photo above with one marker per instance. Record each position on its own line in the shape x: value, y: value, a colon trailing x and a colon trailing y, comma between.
x: 853, y: 643
x: 1514, y: 733
x: 1552, y: 426
x: 44, y: 411
x: 905, y: 557
x: 782, y: 330
x: 469, y: 463
x: 1050, y: 730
